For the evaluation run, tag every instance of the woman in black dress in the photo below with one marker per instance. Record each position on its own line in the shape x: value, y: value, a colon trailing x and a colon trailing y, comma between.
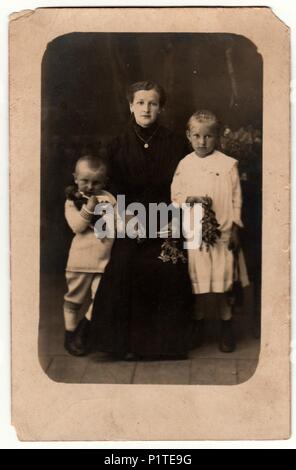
x: 142, y: 307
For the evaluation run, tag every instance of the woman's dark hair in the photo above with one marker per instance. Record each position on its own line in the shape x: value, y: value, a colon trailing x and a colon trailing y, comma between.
x: 146, y: 86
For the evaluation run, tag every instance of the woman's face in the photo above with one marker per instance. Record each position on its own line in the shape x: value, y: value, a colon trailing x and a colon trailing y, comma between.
x: 145, y: 107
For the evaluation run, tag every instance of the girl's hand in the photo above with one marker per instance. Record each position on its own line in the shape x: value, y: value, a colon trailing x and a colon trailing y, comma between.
x: 207, y: 201
x: 91, y: 203
x: 234, y: 243
x: 191, y: 200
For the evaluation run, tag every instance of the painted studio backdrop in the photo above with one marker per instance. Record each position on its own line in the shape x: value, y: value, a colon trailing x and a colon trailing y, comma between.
x: 84, y: 81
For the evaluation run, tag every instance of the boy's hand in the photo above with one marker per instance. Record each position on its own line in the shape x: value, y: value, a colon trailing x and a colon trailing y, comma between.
x: 234, y: 243
x: 91, y: 203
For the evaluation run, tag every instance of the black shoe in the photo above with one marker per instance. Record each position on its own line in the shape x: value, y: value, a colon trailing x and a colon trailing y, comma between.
x: 82, y: 336
x: 69, y: 344
x: 198, y: 330
x: 227, y: 341
x: 76, y: 342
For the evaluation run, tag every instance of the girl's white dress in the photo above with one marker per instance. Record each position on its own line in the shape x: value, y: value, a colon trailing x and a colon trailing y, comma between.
x: 215, y: 176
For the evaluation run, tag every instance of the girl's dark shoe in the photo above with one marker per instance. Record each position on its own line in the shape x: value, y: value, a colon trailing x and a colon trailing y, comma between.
x: 227, y: 341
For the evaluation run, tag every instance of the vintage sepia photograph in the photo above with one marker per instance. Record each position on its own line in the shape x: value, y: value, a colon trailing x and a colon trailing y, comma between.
x: 155, y: 119
x: 150, y: 252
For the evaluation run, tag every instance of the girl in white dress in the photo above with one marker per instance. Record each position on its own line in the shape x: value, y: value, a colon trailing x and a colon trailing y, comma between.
x: 207, y: 172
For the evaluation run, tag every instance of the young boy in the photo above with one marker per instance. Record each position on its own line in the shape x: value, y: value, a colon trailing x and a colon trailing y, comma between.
x: 88, y: 256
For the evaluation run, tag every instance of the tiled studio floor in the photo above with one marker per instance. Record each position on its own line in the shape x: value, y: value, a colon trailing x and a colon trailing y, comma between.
x: 206, y: 365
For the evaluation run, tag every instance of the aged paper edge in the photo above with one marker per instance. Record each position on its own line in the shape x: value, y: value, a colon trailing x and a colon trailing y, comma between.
x: 46, y: 410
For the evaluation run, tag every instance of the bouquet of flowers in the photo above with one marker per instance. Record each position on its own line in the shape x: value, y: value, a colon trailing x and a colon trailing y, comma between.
x: 210, y: 226
x: 170, y: 251
x: 73, y: 194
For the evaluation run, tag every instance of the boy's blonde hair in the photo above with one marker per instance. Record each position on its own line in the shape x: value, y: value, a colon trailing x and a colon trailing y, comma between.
x: 204, y: 115
x: 94, y: 162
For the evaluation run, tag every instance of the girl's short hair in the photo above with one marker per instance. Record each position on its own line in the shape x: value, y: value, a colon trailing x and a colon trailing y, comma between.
x: 146, y: 86
x: 204, y: 115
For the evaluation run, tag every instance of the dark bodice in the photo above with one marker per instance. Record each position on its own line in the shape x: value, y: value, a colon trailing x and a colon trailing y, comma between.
x: 144, y: 174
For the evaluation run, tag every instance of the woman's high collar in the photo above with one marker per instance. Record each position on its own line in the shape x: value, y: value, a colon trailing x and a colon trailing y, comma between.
x: 145, y: 132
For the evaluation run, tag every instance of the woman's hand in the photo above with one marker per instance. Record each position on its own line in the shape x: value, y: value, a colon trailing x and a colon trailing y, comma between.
x: 234, y: 243
x: 91, y: 203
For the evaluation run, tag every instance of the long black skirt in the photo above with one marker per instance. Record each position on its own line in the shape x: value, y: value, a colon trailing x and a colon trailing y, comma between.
x: 143, y: 305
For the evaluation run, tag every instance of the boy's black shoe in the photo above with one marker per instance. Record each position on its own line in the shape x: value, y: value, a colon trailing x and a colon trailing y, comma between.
x: 227, y: 341
x: 69, y: 344
x: 81, y: 336
x: 76, y: 342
